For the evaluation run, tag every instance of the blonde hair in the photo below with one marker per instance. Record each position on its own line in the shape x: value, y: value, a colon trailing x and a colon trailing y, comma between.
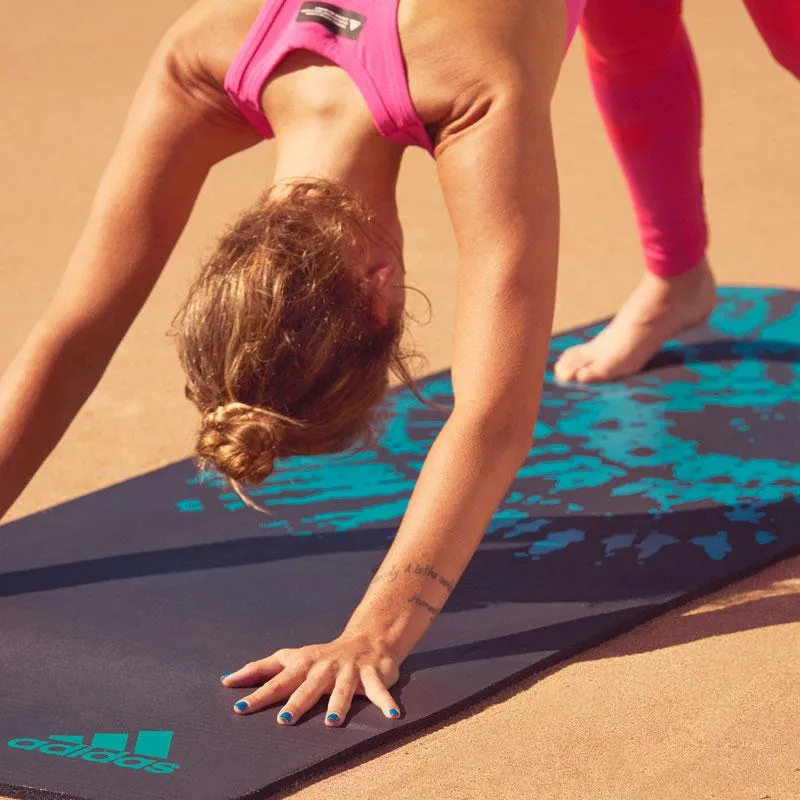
x: 282, y: 350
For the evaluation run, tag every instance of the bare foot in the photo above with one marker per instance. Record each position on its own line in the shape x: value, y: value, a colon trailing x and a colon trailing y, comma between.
x: 657, y: 310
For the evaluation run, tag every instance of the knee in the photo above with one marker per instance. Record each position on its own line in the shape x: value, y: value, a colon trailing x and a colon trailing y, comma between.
x: 628, y: 35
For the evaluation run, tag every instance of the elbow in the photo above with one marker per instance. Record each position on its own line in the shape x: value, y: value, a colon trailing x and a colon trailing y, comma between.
x: 504, y: 431
x: 515, y: 440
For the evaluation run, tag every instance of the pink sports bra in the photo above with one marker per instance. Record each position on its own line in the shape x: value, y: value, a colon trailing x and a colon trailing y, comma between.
x: 362, y: 39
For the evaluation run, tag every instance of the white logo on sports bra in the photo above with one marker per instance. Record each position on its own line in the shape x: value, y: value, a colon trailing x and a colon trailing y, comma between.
x: 326, y: 13
x: 336, y: 19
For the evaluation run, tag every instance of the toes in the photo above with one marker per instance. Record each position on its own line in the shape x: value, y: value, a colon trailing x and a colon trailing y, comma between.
x: 570, y: 363
x: 592, y: 373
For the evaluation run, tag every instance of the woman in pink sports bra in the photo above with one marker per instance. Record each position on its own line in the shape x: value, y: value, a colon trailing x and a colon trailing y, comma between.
x: 290, y: 330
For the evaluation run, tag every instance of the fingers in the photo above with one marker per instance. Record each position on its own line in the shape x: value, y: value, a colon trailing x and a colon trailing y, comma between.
x: 317, y: 683
x: 342, y: 685
x: 304, y: 682
x: 341, y: 698
x: 377, y: 693
x: 256, y: 671
x: 273, y: 691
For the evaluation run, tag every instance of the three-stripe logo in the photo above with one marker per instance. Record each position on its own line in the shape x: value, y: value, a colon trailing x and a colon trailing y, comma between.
x: 150, y: 750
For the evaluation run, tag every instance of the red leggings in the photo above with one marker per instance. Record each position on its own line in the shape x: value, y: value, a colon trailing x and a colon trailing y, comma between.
x: 645, y: 81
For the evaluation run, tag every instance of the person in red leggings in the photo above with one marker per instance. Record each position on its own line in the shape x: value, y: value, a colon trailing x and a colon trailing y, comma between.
x: 645, y: 80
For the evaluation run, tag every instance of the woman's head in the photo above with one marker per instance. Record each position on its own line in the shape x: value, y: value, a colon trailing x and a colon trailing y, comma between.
x: 291, y: 329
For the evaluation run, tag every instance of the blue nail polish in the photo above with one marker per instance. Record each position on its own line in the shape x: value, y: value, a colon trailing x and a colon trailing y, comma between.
x: 285, y: 716
x: 241, y: 705
x: 393, y: 712
x: 332, y: 717
x: 225, y: 675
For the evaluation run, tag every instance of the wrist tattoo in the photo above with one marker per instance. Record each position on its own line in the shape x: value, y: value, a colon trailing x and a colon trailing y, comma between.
x: 386, y: 575
x: 429, y: 572
x: 391, y: 574
x: 420, y: 603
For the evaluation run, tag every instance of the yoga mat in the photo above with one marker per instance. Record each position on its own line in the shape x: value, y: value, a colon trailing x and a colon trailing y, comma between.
x: 119, y: 610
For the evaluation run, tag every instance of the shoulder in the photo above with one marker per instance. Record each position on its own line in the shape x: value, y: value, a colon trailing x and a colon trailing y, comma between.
x: 200, y: 45
x: 463, y: 54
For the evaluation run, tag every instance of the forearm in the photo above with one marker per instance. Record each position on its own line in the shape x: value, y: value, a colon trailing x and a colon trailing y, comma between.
x: 464, y: 479
x: 40, y: 394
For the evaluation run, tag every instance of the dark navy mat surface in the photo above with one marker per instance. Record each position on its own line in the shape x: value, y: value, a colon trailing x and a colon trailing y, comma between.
x: 119, y: 610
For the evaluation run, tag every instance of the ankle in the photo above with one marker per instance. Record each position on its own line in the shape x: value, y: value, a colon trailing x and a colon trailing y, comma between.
x: 698, y: 275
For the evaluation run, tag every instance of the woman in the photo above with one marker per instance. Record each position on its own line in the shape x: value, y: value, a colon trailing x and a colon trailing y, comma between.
x: 645, y: 80
x: 289, y: 332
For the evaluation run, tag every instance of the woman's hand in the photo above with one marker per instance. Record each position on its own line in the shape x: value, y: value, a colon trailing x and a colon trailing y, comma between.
x: 342, y: 668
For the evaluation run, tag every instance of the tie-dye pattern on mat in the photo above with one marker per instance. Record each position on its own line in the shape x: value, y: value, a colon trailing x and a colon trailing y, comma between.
x: 120, y: 610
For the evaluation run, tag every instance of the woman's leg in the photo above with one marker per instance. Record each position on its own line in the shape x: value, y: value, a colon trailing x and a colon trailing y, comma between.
x: 779, y: 24
x: 645, y: 81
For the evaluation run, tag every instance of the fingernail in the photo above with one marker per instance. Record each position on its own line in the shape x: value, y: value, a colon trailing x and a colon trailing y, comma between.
x: 393, y: 712
x: 332, y: 717
x: 225, y: 675
x: 241, y: 705
x: 285, y: 716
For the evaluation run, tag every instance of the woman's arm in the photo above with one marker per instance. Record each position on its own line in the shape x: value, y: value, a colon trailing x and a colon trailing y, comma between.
x: 497, y: 167
x: 174, y: 133
x: 500, y: 182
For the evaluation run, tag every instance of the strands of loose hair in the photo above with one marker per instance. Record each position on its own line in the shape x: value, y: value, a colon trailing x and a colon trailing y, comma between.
x: 282, y: 350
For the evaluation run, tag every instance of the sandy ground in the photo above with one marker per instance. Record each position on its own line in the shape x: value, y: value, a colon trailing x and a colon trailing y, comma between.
x: 701, y: 703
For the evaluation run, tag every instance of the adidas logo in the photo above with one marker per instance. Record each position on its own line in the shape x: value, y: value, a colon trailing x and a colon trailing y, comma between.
x: 149, y: 752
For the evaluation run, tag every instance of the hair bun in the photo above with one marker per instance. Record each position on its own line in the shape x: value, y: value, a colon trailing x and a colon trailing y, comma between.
x: 242, y: 441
